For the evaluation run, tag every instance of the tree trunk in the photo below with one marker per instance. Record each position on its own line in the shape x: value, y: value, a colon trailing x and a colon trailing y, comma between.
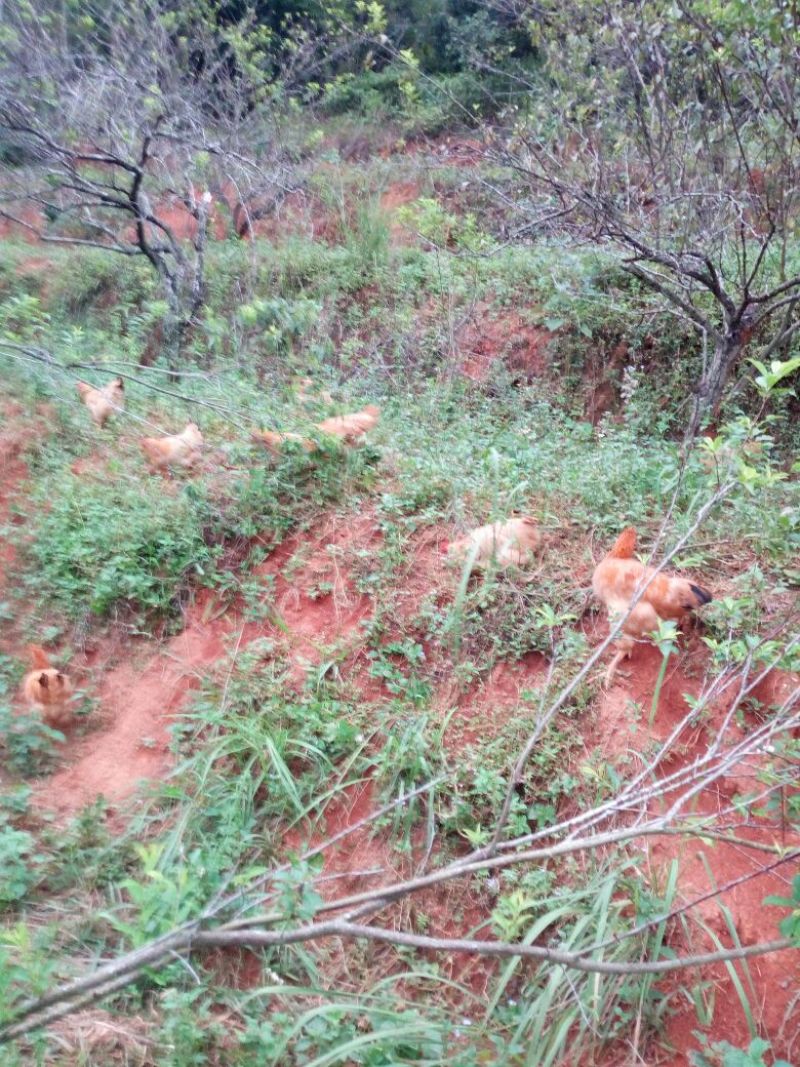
x: 173, y: 337
x: 711, y: 387
x: 185, y: 298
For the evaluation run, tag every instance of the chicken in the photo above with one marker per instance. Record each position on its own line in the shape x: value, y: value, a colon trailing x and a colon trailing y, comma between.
x: 273, y: 439
x: 510, y: 543
x: 616, y: 579
x: 350, y: 428
x: 347, y: 428
x: 102, y: 403
x: 181, y: 449
x: 47, y: 689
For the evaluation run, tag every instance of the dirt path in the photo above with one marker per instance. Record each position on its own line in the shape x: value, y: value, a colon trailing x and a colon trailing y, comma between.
x: 137, y: 703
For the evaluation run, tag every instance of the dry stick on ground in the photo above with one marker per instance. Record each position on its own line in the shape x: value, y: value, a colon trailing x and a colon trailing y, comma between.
x: 705, y: 770
x: 118, y: 972
x: 160, y: 948
x: 504, y: 949
x: 716, y: 891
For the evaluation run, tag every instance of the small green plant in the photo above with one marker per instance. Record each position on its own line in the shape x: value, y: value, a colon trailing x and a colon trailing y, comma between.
x: 723, y: 1054
x: 665, y: 638
x: 19, y: 861
x: 512, y: 915
x: 189, y: 1033
x: 396, y: 664
x: 99, y: 548
x: 29, y: 743
x: 163, y: 896
x: 790, y: 925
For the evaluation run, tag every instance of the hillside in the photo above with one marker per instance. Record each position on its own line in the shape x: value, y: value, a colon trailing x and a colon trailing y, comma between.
x: 325, y: 794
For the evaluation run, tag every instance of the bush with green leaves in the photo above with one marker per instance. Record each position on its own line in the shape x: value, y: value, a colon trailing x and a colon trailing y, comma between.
x: 109, y: 547
x: 26, y: 742
x: 723, y: 1054
x: 19, y: 860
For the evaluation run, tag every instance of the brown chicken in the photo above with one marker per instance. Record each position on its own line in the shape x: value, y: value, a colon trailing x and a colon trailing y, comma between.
x: 47, y: 689
x: 668, y: 596
x: 102, y: 403
x: 181, y: 449
x: 510, y: 543
x: 347, y: 428
x: 350, y: 428
x: 273, y: 440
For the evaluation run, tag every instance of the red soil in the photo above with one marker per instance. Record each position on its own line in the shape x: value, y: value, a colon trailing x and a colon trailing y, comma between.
x: 31, y: 219
x: 491, y: 336
x: 361, y: 859
x: 398, y: 194
x: 508, y: 692
x: 34, y: 265
x: 138, y: 702
x: 448, y: 150
x: 182, y: 223
x: 364, y: 860
x: 140, y: 693
x: 300, y: 213
x: 317, y: 607
x: 623, y: 731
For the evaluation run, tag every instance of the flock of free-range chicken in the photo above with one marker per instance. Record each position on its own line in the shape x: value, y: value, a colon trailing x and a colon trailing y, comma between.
x: 619, y: 580
x: 184, y: 449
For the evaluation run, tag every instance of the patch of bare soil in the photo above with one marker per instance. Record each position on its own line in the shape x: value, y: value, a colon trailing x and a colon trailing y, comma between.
x: 508, y: 692
x: 13, y: 439
x: 140, y: 690
x: 317, y: 608
x: 362, y: 859
x: 31, y: 218
x: 138, y: 700
x: 446, y: 150
x: 300, y: 213
x: 34, y: 265
x: 743, y: 876
x: 494, y: 335
x: 395, y: 196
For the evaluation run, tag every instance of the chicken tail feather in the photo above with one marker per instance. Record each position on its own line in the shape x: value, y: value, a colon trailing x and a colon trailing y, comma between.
x: 703, y: 595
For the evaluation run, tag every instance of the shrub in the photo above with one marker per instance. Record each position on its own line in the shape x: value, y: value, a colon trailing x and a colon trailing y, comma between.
x: 18, y: 862
x: 101, y: 547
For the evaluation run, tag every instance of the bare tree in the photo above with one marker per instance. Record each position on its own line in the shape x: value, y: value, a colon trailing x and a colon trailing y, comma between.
x: 126, y: 121
x: 678, y: 140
